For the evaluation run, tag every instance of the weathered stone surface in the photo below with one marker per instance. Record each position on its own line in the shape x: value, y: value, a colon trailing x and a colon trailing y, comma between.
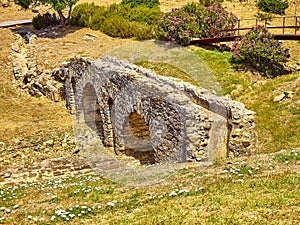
x: 153, y: 118
x: 27, y: 73
x: 279, y: 97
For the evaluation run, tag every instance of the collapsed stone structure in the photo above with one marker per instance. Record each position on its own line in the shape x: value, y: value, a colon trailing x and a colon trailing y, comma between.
x: 153, y: 118
x: 36, y: 81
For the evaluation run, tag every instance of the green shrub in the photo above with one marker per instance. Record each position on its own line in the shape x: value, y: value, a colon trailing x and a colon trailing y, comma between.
x: 120, y: 27
x: 117, y: 27
x: 84, y: 14
x: 273, y: 6
x: 145, y: 15
x: 45, y: 20
x: 140, y: 14
x: 118, y: 20
x: 259, y: 49
x: 136, y: 3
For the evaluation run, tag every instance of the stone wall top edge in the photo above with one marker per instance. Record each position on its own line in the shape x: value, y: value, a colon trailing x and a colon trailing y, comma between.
x: 143, y: 75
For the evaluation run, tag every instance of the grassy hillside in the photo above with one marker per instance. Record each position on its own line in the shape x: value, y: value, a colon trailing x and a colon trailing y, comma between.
x: 278, y: 123
x: 243, y: 191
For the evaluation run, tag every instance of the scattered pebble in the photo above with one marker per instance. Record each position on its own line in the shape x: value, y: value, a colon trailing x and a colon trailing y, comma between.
x: 7, y: 210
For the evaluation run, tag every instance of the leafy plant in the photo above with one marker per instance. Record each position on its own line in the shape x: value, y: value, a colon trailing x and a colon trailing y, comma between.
x: 292, y: 156
x: 259, y: 49
x: 86, y: 14
x: 136, y: 3
x: 118, y: 20
x: 57, y: 5
x: 214, y: 18
x: 45, y: 20
x: 120, y: 27
x: 273, y: 6
x: 177, y: 26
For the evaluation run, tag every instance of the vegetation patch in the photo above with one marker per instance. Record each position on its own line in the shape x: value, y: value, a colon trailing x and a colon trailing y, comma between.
x: 136, y: 3
x: 165, y: 69
x: 292, y: 156
x: 273, y: 6
x: 277, y: 123
x: 259, y: 49
x: 118, y: 20
x: 177, y: 26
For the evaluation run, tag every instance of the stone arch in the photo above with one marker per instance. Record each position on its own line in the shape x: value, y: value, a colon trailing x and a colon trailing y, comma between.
x: 118, y: 95
x: 92, y: 111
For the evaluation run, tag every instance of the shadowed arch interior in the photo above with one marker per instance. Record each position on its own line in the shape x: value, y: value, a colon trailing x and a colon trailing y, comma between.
x: 137, y: 139
x: 93, y: 114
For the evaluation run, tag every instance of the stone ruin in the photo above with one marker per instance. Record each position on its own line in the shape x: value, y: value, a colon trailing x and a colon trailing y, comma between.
x: 153, y: 118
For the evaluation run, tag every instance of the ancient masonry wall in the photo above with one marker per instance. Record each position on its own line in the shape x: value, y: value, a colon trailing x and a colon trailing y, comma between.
x: 138, y: 113
x: 153, y: 118
x: 28, y: 75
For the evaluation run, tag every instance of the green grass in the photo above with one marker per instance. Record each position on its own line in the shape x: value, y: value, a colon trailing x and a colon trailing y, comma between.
x: 215, y: 199
x: 165, y: 69
x: 278, y: 124
x: 225, y: 73
x: 292, y: 156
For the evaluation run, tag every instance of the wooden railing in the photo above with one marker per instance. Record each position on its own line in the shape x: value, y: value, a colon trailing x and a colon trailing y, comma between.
x: 288, y: 31
x: 267, y: 23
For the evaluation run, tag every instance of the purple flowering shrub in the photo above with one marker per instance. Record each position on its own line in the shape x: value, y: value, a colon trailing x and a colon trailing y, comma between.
x: 259, y: 49
x: 214, y: 18
x: 177, y: 26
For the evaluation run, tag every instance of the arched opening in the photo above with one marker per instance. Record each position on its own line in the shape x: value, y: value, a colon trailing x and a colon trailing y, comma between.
x: 138, y: 126
x: 93, y: 115
x: 137, y: 142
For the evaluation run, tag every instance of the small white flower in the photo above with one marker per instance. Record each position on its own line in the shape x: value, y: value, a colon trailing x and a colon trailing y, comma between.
x: 52, y: 218
x: 111, y: 204
x: 173, y: 193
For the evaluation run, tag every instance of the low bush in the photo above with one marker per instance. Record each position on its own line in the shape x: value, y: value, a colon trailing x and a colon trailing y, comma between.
x: 273, y: 6
x: 214, y: 18
x: 259, y: 49
x: 120, y: 27
x: 45, y: 20
x: 136, y: 3
x: 177, y: 26
x: 86, y: 14
x: 118, y: 20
